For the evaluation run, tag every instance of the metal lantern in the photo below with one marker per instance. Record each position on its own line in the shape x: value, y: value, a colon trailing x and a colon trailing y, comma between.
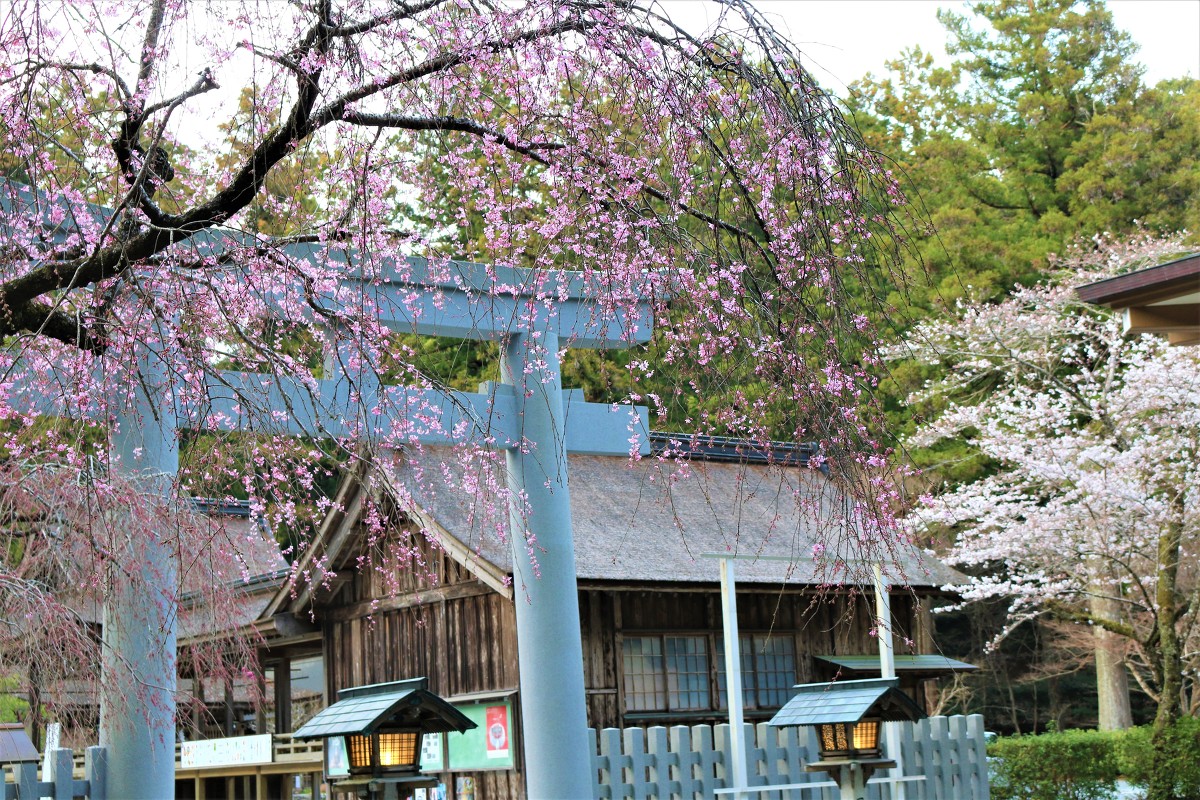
x: 373, y: 734
x: 847, y: 717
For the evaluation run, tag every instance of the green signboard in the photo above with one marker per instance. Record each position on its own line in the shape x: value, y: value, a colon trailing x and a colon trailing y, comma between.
x: 489, y: 745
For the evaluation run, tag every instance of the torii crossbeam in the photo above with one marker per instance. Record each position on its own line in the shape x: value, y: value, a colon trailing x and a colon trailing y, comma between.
x: 532, y: 314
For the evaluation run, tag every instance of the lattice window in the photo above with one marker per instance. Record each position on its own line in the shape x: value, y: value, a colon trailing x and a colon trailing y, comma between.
x: 768, y: 670
x: 688, y: 673
x: 667, y: 673
x: 645, y: 679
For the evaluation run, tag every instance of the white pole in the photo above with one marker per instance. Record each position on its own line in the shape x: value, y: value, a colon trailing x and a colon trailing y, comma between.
x: 733, y: 677
x: 883, y: 625
x: 852, y: 782
x: 887, y: 669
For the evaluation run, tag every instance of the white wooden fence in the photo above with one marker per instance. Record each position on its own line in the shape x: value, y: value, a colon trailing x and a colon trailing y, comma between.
x: 944, y: 758
x: 945, y: 755
x: 26, y: 786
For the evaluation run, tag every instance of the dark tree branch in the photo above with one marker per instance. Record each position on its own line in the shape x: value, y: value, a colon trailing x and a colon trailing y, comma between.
x: 403, y: 11
x: 459, y: 124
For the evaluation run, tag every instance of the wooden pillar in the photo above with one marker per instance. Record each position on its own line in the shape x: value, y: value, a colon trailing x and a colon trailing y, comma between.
x: 229, y: 720
x: 260, y: 707
x: 283, y: 696
x: 199, y: 708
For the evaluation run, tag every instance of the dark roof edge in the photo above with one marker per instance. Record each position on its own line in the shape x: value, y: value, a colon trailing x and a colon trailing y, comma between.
x: 1179, y: 272
x: 732, y: 449
x: 225, y: 508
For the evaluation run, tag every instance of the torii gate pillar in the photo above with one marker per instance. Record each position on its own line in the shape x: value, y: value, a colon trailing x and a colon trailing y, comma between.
x: 553, y: 703
x: 137, y: 691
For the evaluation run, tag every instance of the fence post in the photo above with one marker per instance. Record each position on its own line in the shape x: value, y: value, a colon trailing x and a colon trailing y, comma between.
x: 661, y: 761
x: 702, y: 741
x: 610, y: 746
x: 27, y: 781
x: 95, y: 771
x: 689, y: 760
x: 756, y: 754
x: 909, y: 737
x: 639, y: 760
x: 64, y: 774
x: 933, y: 756
x: 977, y: 746
x: 959, y: 746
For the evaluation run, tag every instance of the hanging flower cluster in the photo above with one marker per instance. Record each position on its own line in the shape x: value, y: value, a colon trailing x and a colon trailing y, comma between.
x: 265, y: 244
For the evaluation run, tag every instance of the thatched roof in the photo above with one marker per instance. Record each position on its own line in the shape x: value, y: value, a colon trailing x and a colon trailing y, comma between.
x: 639, y: 522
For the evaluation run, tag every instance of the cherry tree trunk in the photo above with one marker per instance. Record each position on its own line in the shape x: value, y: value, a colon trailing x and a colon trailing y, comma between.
x: 1169, y: 648
x: 1170, y: 659
x: 1112, y: 676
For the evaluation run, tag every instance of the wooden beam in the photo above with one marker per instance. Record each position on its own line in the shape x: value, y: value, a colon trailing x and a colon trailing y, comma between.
x: 347, y: 493
x: 440, y: 594
x: 1183, y: 318
x: 331, y: 550
x: 471, y: 561
x: 1176, y: 338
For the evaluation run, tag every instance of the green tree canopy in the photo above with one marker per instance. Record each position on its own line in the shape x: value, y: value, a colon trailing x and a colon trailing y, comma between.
x: 1037, y: 131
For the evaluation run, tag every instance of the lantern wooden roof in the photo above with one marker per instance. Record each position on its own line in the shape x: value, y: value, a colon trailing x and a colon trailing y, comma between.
x: 847, y: 701
x: 364, y: 710
x: 15, y: 744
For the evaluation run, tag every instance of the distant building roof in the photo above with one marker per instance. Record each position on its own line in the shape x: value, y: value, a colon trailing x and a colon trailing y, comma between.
x: 1163, y: 299
x: 904, y: 662
x: 642, y: 522
x: 240, y: 561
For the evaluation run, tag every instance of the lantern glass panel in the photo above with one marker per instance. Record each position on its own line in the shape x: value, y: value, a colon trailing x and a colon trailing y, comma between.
x: 866, y: 735
x: 397, y: 749
x: 359, y: 748
x: 849, y: 740
x: 833, y: 738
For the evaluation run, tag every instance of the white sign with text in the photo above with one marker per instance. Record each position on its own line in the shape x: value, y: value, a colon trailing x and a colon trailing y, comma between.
x: 232, y: 752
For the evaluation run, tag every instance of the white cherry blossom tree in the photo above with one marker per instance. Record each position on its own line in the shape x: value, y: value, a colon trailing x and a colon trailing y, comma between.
x: 1091, y: 509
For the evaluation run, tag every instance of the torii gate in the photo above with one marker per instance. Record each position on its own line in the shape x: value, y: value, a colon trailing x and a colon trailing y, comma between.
x: 525, y: 414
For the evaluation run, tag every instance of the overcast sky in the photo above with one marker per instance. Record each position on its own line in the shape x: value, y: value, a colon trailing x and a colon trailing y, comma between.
x: 845, y: 39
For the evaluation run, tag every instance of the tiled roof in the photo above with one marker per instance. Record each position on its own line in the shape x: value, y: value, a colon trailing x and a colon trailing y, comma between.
x: 1174, y: 278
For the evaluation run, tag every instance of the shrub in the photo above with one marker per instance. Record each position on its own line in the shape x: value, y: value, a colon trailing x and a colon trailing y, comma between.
x: 1179, y: 756
x: 1071, y: 765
